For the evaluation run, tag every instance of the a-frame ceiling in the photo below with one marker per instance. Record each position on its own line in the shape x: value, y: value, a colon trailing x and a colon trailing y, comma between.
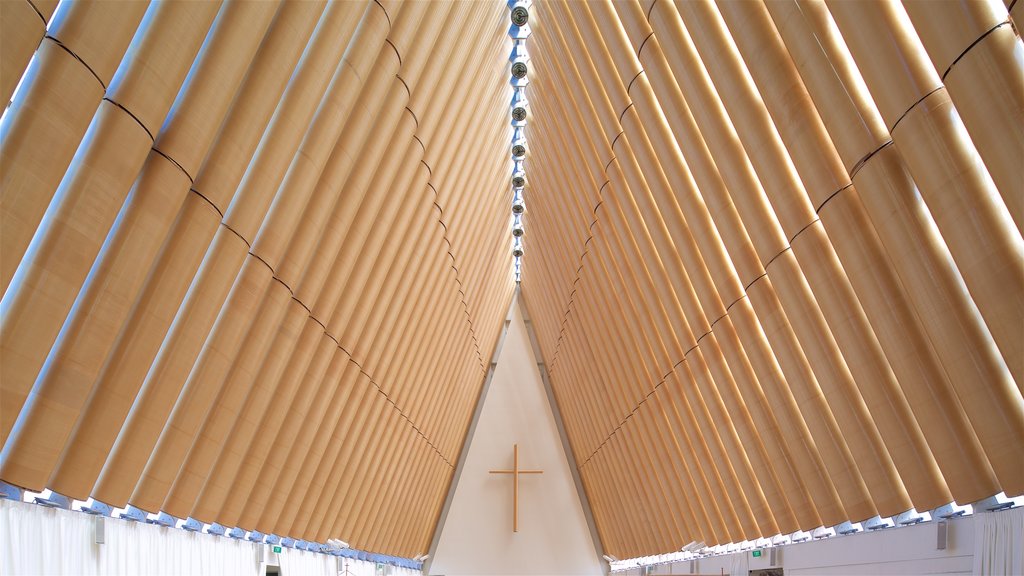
x: 256, y: 255
x: 774, y: 258
x: 271, y: 276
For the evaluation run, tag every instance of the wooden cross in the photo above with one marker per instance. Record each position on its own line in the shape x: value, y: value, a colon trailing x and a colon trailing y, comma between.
x: 515, y: 472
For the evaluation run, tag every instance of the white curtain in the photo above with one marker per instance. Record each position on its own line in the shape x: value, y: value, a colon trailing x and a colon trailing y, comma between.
x: 41, y: 541
x: 350, y: 567
x: 999, y: 542
x: 302, y: 563
x: 37, y: 541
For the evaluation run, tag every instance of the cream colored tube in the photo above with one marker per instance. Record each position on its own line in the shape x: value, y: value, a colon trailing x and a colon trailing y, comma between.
x: 617, y: 247
x: 632, y: 112
x: 119, y: 140
x: 184, y: 343
x: 168, y: 443
x: 696, y: 154
x: 104, y: 304
x: 872, y: 274
x: 993, y: 411
x: 925, y: 127
x: 407, y: 17
x: 402, y: 235
x: 289, y: 356
x: 317, y: 382
x: 987, y: 247
x: 21, y: 30
x: 667, y: 24
x: 396, y: 91
x: 366, y: 442
x: 227, y: 335
x: 724, y: 472
x: 822, y: 172
x: 981, y: 245
x: 322, y: 256
x: 158, y: 393
x: 180, y: 464
x: 391, y: 234
x: 324, y: 130
x: 274, y: 485
x: 197, y: 223
x: 367, y: 246
x: 976, y: 53
x: 785, y: 192
x: 43, y: 127
x: 313, y: 148
x: 368, y: 410
x: 336, y: 304
x: 243, y: 454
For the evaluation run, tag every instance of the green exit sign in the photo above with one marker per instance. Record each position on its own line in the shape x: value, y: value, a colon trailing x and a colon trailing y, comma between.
x: 756, y: 553
x: 277, y: 550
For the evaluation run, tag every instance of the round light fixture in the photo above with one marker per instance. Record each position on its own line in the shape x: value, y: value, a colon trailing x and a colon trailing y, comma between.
x: 520, y: 16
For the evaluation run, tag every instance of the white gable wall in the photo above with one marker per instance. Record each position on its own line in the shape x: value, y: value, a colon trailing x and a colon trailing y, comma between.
x: 553, y: 537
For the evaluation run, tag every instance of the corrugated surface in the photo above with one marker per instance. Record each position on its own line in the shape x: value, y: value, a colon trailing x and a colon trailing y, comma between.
x: 274, y: 261
x: 774, y: 259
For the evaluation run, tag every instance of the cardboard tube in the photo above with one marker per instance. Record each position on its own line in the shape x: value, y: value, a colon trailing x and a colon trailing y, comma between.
x: 744, y: 263
x: 325, y: 287
x: 885, y: 32
x: 46, y: 122
x: 208, y: 406
x: 168, y: 373
x: 987, y: 247
x: 305, y: 497
x: 183, y: 251
x: 845, y: 105
x: 291, y: 120
x: 769, y: 505
x: 944, y: 164
x: 282, y: 466
x: 822, y: 171
x: 149, y: 212
x: 206, y: 372
x: 945, y: 309
x: 97, y: 185
x: 918, y: 370
x: 273, y: 236
x: 366, y: 278
x: 21, y: 30
x: 880, y: 395
x: 785, y: 461
x: 318, y: 383
x: 364, y: 241
x: 278, y: 222
x: 261, y: 91
x: 123, y: 372
x: 62, y: 389
x: 870, y: 454
x: 324, y: 129
x: 34, y: 308
x: 854, y: 127
x: 250, y: 203
x: 291, y: 353
x: 991, y: 63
